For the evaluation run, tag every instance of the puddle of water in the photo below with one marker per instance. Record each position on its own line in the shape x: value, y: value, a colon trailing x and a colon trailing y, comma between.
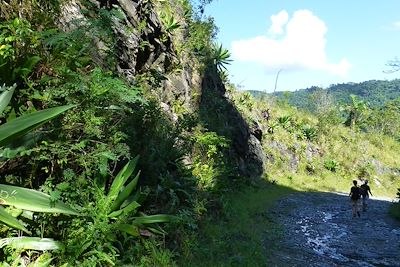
x: 320, y: 244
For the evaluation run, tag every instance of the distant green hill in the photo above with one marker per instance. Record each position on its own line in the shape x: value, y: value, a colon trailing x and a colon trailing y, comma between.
x: 374, y: 92
x: 257, y: 94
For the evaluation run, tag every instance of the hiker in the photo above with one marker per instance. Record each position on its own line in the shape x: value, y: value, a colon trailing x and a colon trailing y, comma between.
x: 365, y: 191
x: 355, y: 197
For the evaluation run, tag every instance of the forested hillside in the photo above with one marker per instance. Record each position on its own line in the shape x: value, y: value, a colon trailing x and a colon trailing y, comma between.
x: 123, y: 143
x: 375, y: 93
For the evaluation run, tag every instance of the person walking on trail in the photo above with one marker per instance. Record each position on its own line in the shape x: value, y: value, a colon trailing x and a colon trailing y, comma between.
x: 355, y: 197
x: 365, y: 191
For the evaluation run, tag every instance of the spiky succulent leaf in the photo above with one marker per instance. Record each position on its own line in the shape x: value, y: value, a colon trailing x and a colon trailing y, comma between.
x: 153, y: 219
x: 31, y: 243
x: 125, y: 193
x: 121, y: 179
x: 21, y: 125
x: 5, y: 97
x: 29, y: 199
x: 6, y: 218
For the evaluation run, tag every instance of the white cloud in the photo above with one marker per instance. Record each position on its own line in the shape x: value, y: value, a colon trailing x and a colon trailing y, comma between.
x: 302, y: 46
x: 278, y: 21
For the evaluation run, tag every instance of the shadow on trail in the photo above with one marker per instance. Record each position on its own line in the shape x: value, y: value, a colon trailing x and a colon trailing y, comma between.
x: 319, y: 231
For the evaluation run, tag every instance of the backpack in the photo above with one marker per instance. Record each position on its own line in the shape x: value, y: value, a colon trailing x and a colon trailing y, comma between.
x: 355, y: 193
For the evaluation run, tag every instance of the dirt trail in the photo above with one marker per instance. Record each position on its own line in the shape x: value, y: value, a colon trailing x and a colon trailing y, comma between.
x: 320, y: 231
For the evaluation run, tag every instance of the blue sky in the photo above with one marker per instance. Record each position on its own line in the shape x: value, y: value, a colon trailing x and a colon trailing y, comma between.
x: 312, y: 42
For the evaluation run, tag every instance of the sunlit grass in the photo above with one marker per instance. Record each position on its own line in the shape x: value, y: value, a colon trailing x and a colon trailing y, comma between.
x: 332, y: 182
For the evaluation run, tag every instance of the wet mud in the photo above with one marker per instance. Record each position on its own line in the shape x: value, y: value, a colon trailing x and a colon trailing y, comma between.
x: 319, y: 230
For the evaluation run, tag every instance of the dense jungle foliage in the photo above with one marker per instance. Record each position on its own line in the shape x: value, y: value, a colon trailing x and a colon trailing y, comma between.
x: 74, y: 131
x: 95, y: 169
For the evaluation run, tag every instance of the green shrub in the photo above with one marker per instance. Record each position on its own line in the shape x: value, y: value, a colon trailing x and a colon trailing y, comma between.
x: 331, y: 165
x: 309, y: 132
x: 153, y: 254
x: 18, y: 50
x: 169, y: 21
x: 201, y: 34
x: 285, y: 121
x: 110, y: 215
x: 207, y: 156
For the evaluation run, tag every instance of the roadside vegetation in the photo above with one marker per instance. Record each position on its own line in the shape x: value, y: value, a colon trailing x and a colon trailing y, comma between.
x: 243, y: 232
x: 91, y: 173
x: 329, y: 148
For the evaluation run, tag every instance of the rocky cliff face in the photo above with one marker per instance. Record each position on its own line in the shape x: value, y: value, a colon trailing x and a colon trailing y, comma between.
x: 144, y: 46
x: 247, y: 149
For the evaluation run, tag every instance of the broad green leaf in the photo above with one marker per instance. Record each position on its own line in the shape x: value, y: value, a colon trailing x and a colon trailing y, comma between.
x: 127, y: 228
x: 21, y: 125
x: 121, y: 178
x: 131, y: 207
x: 19, y: 145
x: 139, y: 197
x: 5, y: 98
x: 34, y: 243
x: 158, y: 231
x: 32, y: 200
x: 115, y: 214
x: 153, y: 219
x: 125, y: 193
x: 6, y: 218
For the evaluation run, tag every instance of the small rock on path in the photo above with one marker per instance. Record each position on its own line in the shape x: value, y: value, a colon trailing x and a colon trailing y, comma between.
x: 319, y: 231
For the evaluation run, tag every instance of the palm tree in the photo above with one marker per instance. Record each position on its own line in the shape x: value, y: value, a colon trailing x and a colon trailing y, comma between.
x: 356, y: 111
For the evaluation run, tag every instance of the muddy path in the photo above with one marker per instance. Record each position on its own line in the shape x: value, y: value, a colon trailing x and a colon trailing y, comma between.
x: 318, y: 230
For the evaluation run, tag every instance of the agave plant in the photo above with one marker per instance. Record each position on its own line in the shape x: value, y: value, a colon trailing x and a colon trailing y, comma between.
x: 285, y: 121
x: 113, y: 211
x: 220, y: 57
x: 124, y: 201
x: 309, y: 132
x: 19, y: 197
x: 169, y: 21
